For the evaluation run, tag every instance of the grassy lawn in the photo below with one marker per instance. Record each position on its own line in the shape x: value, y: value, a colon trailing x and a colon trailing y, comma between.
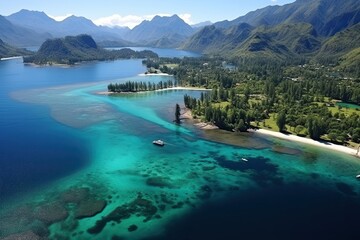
x: 346, y: 111
x: 171, y: 65
x: 222, y: 105
x: 270, y: 123
x: 253, y: 100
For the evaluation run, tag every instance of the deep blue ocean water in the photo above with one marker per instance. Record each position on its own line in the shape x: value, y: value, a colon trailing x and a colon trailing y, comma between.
x: 58, y: 133
x: 30, y: 136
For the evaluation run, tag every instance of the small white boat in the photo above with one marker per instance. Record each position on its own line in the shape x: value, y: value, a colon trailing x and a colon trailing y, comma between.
x: 244, y: 159
x: 159, y: 142
x: 358, y: 176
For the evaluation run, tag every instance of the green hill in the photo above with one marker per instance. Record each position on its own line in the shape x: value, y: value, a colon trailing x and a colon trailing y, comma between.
x: 350, y: 62
x: 320, y: 30
x: 340, y: 44
x: 326, y: 16
x: 207, y: 40
x: 73, y: 49
x: 279, y: 42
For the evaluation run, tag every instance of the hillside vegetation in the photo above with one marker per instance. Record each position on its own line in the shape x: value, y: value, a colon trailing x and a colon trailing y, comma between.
x: 9, y: 51
x: 317, y: 31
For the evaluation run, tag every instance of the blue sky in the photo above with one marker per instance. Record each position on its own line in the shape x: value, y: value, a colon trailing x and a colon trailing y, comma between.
x: 131, y: 13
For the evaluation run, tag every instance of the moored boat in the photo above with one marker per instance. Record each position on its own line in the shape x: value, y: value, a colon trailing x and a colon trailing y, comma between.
x: 159, y: 142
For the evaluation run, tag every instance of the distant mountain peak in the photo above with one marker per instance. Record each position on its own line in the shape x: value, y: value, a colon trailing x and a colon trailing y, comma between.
x: 201, y: 24
x: 22, y: 11
x: 165, y: 19
x: 25, y: 13
x: 158, y: 28
x: 156, y: 17
x: 76, y: 18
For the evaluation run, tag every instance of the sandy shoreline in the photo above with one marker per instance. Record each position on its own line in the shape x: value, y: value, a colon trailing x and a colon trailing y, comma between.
x: 159, y: 90
x: 312, y: 142
x: 202, y: 125
x: 339, y: 148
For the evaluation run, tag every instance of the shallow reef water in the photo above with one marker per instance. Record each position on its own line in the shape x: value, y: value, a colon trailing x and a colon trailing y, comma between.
x: 200, y: 185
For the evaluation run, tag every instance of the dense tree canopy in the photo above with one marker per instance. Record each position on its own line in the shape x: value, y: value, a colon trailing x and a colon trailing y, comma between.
x: 298, y: 98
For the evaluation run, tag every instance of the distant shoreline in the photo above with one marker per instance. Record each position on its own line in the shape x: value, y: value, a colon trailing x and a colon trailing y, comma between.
x: 339, y: 148
x: 10, y: 58
x: 51, y: 65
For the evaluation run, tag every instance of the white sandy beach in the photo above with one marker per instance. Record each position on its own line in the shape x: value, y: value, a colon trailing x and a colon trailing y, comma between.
x: 154, y: 74
x: 190, y: 88
x: 290, y: 137
x: 158, y: 90
x: 10, y: 58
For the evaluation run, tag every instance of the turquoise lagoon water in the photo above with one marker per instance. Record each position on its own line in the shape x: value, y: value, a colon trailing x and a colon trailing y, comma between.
x: 348, y: 105
x: 76, y: 164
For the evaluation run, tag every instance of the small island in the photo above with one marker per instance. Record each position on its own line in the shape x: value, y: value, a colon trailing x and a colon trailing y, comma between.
x: 81, y: 48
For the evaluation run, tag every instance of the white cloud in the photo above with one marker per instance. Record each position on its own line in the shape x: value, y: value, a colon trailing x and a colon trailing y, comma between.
x: 274, y: 1
x: 133, y: 20
x: 187, y: 18
x: 60, y: 18
x: 117, y: 20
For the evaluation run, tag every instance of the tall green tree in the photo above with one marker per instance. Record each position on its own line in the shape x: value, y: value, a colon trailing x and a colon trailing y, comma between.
x: 281, y: 121
x: 177, y: 114
x: 315, y: 127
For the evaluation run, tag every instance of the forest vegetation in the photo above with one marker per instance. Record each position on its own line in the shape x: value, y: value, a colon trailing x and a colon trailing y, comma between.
x: 295, y: 98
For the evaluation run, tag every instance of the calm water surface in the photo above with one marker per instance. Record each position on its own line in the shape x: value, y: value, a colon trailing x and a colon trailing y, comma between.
x: 348, y: 105
x: 75, y: 164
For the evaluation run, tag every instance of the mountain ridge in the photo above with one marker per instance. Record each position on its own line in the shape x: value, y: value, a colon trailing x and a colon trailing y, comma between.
x: 299, y: 30
x: 316, y: 12
x: 19, y: 36
x: 159, y: 28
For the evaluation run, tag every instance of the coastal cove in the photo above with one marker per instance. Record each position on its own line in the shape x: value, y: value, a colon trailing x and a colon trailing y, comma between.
x: 68, y: 148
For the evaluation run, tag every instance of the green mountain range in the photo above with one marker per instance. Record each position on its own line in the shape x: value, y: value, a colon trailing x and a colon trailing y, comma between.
x: 73, y: 49
x: 321, y: 30
x: 31, y: 28
x: 20, y: 36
